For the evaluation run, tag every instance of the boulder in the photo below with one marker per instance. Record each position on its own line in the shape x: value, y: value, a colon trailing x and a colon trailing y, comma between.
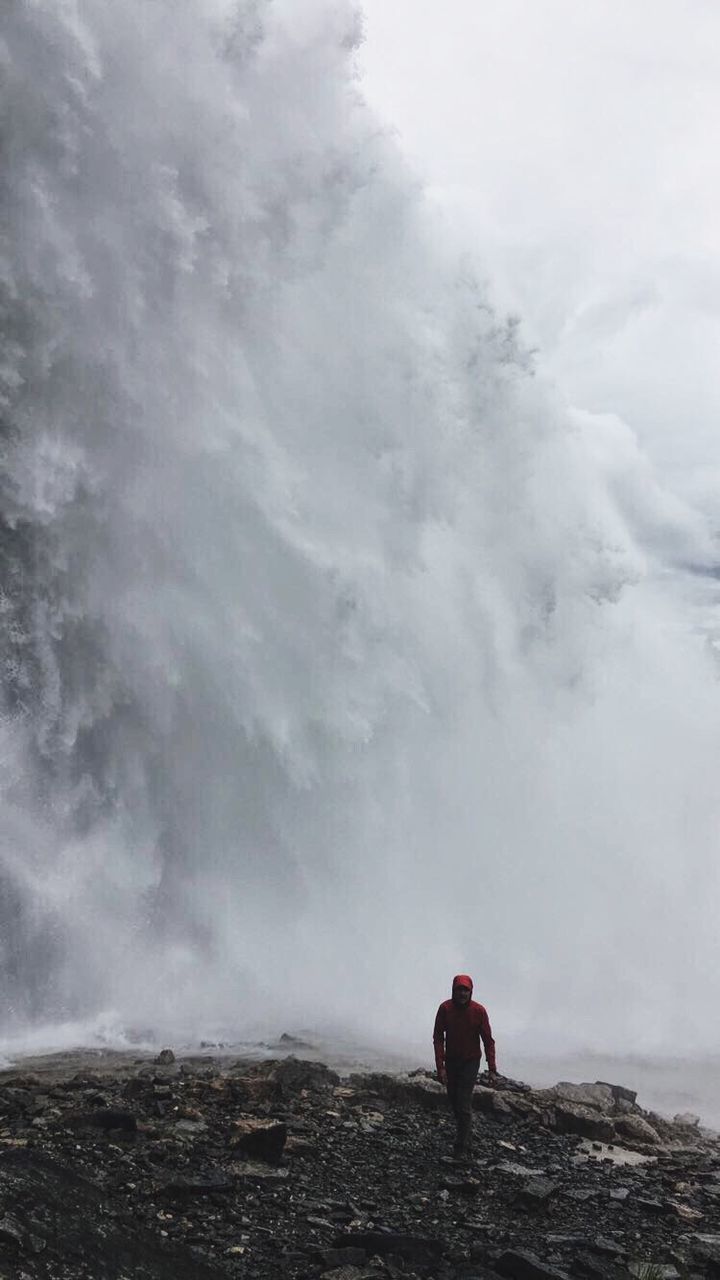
x: 105, y: 1118
x: 259, y: 1139
x: 412, y: 1248
x: 293, y: 1075
x: 595, y: 1097
x: 521, y: 1264
x: 635, y: 1129
x: 619, y: 1092
x: 409, y: 1090
x: 536, y: 1192
x: 587, y: 1123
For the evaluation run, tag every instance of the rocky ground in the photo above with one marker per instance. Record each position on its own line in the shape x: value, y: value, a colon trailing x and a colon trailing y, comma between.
x: 196, y: 1169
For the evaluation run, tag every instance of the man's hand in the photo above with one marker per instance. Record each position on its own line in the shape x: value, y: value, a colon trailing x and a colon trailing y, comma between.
x: 442, y: 1076
x: 493, y: 1079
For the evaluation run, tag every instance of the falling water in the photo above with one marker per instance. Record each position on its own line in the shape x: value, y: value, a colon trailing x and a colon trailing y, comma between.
x: 333, y: 659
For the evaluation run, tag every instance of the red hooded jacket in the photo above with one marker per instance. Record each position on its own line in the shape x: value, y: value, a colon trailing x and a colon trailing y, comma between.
x: 459, y: 1030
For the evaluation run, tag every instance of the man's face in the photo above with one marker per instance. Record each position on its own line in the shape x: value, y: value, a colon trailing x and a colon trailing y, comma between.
x: 461, y: 995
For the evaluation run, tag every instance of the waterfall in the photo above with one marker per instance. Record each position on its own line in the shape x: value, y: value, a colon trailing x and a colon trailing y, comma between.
x: 332, y: 662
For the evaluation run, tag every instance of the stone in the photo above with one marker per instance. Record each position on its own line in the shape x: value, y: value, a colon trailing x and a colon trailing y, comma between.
x: 265, y: 1174
x: 537, y: 1191
x: 12, y: 1231
x: 412, y: 1248
x: 635, y: 1129
x: 619, y: 1092
x: 602, y: 1244
x: 405, y: 1089
x: 287, y: 1041
x: 343, y: 1257
x: 584, y: 1121
x: 105, y: 1118
x: 521, y: 1264
x: 165, y: 1058
x: 598, y: 1097
x: 650, y: 1204
x: 645, y: 1270
x: 293, y: 1075
x: 190, y: 1188
x: 259, y: 1139
x: 688, y: 1119
x: 686, y: 1212
x: 515, y: 1170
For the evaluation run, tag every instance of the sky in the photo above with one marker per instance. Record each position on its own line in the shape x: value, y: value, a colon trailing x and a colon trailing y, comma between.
x: 574, y: 148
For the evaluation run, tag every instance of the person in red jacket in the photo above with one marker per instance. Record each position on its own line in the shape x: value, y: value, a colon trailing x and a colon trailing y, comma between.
x: 461, y: 1023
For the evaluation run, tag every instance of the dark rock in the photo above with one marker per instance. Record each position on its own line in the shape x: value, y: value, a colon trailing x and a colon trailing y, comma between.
x: 105, y: 1119
x: 413, y: 1248
x: 536, y: 1192
x: 165, y: 1058
x: 259, y: 1139
x: 12, y: 1231
x: 650, y: 1204
x: 190, y: 1188
x: 520, y: 1264
x: 583, y: 1121
x: 636, y: 1129
x: 343, y: 1257
x: 294, y: 1075
x: 83, y: 1238
x: 619, y: 1092
x: 287, y: 1041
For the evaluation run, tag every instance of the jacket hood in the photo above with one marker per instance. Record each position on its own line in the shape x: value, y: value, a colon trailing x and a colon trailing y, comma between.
x: 462, y: 980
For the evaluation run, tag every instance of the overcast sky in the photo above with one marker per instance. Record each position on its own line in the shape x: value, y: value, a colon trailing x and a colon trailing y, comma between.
x: 574, y: 145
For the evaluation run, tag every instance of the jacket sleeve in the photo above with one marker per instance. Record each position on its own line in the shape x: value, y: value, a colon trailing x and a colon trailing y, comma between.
x: 439, y: 1039
x: 487, y: 1039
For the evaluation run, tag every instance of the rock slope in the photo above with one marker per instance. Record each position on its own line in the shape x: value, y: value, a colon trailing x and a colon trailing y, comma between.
x: 200, y: 1169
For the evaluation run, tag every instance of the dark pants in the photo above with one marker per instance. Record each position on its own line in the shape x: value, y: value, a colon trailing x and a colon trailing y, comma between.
x: 461, y: 1077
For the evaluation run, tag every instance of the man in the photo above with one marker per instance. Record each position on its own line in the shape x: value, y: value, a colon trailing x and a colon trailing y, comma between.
x: 460, y: 1025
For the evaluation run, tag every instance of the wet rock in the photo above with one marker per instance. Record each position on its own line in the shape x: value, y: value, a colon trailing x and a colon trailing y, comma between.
x: 294, y: 1075
x: 12, y: 1231
x: 536, y: 1192
x: 598, y: 1096
x: 411, y: 1247
x: 521, y: 1264
x: 343, y: 1257
x: 287, y: 1041
x: 619, y: 1092
x: 705, y: 1247
x: 584, y: 1121
x: 260, y: 1139
x: 408, y: 1090
x: 191, y: 1188
x: 83, y: 1237
x: 650, y: 1204
x: 165, y: 1058
x: 265, y: 1174
x: 636, y: 1129
x: 647, y: 1270
x: 515, y: 1170
x: 105, y: 1119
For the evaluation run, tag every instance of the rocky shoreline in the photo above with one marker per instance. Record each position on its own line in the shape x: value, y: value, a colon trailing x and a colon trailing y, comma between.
x: 195, y: 1169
